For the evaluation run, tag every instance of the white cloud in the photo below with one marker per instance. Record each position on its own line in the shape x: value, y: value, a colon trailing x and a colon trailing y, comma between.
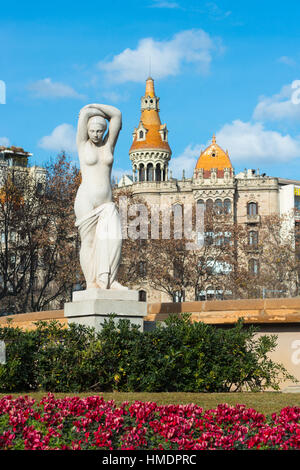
x: 47, y: 89
x: 279, y: 106
x: 251, y: 142
x: 115, y: 97
x: 287, y: 60
x: 193, y: 46
x: 185, y: 161
x: 62, y: 138
x: 164, y: 4
x: 4, y: 141
x: 216, y: 12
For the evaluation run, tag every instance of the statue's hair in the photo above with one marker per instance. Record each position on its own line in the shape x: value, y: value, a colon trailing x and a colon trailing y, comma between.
x: 98, y: 119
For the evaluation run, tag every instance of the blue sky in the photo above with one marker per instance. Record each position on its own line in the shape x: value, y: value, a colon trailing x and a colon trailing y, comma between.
x: 226, y: 67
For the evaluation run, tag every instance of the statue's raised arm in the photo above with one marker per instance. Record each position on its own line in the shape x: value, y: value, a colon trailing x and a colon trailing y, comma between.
x: 103, y: 112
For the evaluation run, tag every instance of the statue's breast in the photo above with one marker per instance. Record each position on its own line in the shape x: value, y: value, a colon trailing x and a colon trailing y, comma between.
x: 105, y: 156
x: 90, y: 155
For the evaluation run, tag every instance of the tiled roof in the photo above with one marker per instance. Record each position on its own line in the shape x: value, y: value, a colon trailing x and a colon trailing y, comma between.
x: 151, y: 122
x: 213, y: 157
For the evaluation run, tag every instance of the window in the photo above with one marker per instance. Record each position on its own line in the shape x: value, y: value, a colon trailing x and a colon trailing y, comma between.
x: 142, y: 268
x: 39, y: 188
x: 209, y: 204
x: 201, y: 205
x: 150, y: 172
x: 178, y: 296
x: 254, y: 266
x: 142, y: 173
x: 218, y: 206
x: 142, y: 296
x: 253, y: 238
x: 209, y: 238
x: 177, y: 270
x: 13, y: 236
x: 252, y: 208
x: 227, y: 206
x: 227, y: 238
x: 141, y: 134
x: 158, y: 172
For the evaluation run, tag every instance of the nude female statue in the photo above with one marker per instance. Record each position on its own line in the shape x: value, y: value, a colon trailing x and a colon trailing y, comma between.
x: 96, y: 215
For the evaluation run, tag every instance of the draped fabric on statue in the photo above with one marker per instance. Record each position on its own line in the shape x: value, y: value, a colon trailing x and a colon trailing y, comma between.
x: 104, y: 222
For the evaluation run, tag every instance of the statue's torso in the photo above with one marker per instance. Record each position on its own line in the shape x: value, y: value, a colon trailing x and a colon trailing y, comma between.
x: 95, y: 188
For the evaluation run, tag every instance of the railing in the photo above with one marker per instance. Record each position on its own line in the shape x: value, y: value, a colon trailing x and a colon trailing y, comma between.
x: 253, y: 219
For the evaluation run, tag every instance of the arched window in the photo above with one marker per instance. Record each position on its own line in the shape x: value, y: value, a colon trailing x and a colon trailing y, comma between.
x: 254, y: 266
x: 141, y: 134
x: 141, y: 172
x: 201, y: 203
x: 142, y: 296
x: 218, y: 206
x: 150, y: 172
x: 209, y: 204
x: 227, y: 206
x: 253, y: 238
x: 252, y: 208
x: 158, y: 172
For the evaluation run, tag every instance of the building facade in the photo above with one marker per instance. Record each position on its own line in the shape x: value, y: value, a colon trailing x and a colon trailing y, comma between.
x: 247, y: 196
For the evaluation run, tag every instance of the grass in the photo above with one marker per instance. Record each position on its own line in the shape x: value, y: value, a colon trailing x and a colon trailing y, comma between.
x: 263, y: 402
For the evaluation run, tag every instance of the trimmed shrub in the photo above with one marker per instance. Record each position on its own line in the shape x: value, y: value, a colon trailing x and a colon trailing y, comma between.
x: 178, y: 356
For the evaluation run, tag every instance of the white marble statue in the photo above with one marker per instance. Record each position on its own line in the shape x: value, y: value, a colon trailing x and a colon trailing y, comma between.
x: 97, y: 217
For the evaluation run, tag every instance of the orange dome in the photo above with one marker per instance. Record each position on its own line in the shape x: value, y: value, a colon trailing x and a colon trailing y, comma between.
x: 155, y: 136
x: 213, y: 157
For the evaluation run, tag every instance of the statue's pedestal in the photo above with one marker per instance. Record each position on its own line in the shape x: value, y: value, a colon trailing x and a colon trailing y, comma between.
x: 92, y: 306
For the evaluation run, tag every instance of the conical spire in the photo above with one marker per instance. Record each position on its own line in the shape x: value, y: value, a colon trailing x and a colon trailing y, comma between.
x: 150, y: 132
x: 150, y: 87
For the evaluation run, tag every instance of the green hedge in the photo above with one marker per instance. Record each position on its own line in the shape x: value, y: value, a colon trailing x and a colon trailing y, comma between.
x: 179, y: 356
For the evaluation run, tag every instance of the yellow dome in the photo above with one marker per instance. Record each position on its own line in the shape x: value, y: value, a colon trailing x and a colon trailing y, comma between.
x: 213, y: 157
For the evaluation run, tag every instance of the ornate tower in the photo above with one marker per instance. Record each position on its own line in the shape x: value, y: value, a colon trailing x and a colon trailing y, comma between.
x: 150, y: 152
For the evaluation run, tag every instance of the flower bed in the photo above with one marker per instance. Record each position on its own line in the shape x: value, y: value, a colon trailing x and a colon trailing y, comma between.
x: 75, y: 423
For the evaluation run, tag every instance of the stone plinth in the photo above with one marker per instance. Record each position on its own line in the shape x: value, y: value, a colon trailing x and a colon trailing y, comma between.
x: 91, y: 307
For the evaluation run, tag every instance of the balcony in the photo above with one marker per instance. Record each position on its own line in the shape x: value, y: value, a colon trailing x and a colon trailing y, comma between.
x: 253, y: 248
x: 253, y: 218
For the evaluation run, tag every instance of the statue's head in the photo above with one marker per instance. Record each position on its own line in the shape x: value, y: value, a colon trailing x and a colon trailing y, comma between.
x: 96, y: 127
